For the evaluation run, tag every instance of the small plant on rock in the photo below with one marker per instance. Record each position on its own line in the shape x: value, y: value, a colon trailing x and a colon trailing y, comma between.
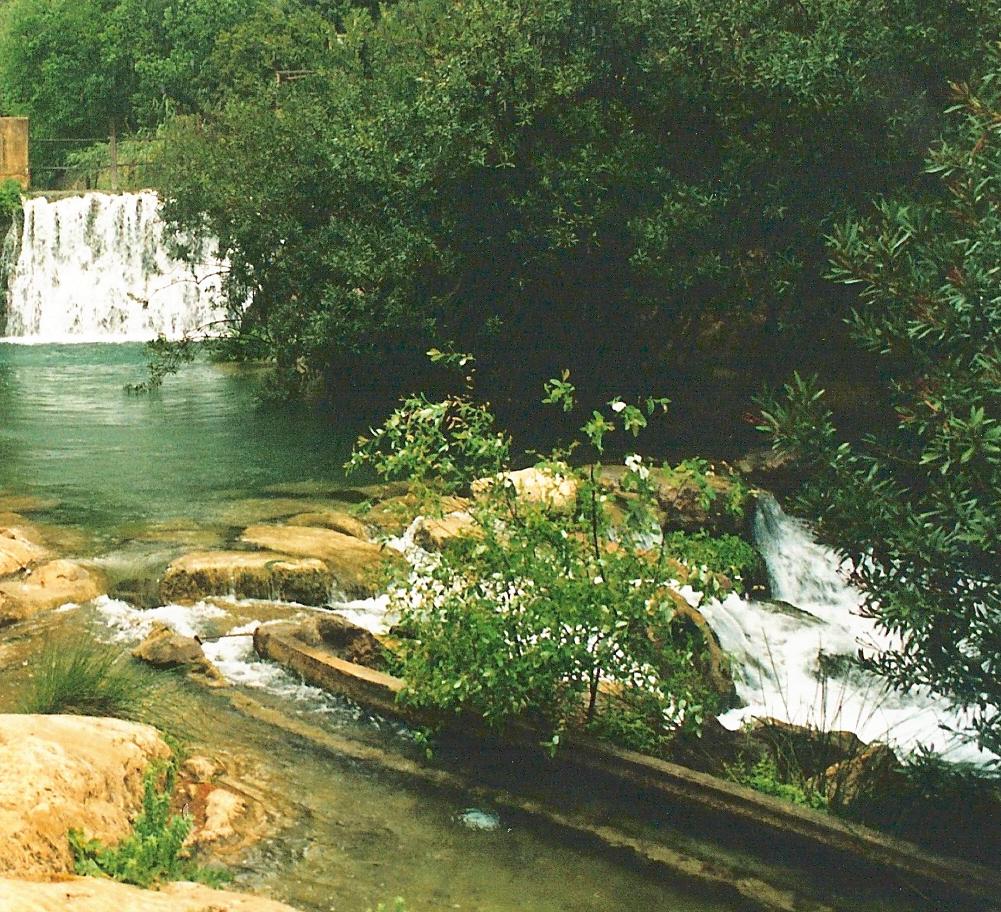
x: 154, y: 852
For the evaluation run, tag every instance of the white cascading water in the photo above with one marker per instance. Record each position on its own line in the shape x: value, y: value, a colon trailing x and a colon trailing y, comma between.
x: 97, y: 268
x: 777, y: 648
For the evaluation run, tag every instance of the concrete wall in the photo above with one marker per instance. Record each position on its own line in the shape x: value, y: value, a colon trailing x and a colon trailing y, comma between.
x: 14, y: 150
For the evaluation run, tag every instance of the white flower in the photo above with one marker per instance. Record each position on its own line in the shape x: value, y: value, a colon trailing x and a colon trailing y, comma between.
x: 617, y: 406
x: 634, y: 462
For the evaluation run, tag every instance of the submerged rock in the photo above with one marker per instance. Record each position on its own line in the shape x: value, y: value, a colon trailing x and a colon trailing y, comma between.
x: 165, y: 648
x: 355, y: 564
x: 247, y: 574
x: 91, y: 894
x: 56, y: 583
x: 59, y: 773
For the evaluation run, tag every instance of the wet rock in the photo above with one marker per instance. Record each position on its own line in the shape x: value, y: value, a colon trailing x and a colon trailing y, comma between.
x: 346, y: 639
x: 873, y: 774
x: 812, y: 749
x: 355, y: 564
x: 199, y: 769
x: 223, y: 812
x: 91, y: 894
x: 690, y: 501
x: 26, y: 503
x: 337, y: 520
x: 67, y: 772
x: 165, y: 648
x: 394, y: 514
x: 18, y: 551
x: 434, y: 533
x: 56, y: 583
x: 716, y: 666
x: 765, y: 468
x: 534, y: 485
x: 247, y: 574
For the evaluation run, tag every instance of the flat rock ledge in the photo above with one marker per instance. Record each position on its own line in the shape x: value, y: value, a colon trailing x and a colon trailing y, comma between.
x: 59, y: 773
x: 88, y: 894
x: 247, y: 574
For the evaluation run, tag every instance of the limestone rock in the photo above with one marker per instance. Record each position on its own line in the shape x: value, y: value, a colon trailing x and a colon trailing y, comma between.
x: 872, y: 774
x: 91, y: 894
x: 434, y: 533
x: 355, y: 564
x: 56, y: 583
x: 394, y: 514
x: 337, y: 520
x: 199, y: 769
x: 18, y: 551
x: 67, y: 772
x: 165, y: 648
x: 348, y: 640
x: 534, y: 485
x: 247, y: 574
x: 223, y: 810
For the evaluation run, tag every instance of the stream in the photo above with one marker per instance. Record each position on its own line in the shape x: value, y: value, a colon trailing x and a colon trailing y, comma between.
x: 130, y: 482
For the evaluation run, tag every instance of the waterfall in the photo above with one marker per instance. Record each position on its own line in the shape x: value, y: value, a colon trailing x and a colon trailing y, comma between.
x: 792, y: 655
x: 99, y: 268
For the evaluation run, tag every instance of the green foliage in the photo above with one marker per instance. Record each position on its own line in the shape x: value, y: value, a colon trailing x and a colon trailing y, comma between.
x: 439, y: 446
x: 538, y: 612
x: 764, y: 776
x: 84, y: 678
x: 726, y: 554
x: 10, y: 200
x: 916, y: 504
x: 457, y: 171
x: 154, y: 852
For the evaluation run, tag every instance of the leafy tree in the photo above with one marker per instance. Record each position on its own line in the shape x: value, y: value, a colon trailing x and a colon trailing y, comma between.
x: 564, y: 181
x: 60, y: 64
x: 918, y: 504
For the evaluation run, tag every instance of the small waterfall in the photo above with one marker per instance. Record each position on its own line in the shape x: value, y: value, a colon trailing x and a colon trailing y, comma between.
x: 98, y: 268
x: 792, y: 655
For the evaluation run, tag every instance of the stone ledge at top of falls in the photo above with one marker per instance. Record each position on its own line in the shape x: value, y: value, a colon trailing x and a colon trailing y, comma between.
x: 88, y: 894
x: 68, y: 772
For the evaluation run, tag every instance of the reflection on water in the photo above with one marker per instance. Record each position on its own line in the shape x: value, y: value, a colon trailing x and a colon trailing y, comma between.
x: 69, y: 429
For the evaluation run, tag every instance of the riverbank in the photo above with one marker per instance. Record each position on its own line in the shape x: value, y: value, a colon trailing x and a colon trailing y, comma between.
x: 294, y: 521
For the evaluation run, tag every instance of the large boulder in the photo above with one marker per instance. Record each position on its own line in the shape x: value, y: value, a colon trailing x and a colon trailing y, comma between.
x: 18, y: 551
x: 537, y: 485
x: 347, y: 640
x: 247, y: 574
x: 56, y: 583
x: 59, y: 773
x: 355, y: 564
x: 90, y: 894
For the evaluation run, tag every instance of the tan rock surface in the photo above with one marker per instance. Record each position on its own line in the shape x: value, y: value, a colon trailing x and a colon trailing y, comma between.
x: 534, y: 485
x: 48, y: 586
x: 337, y: 520
x: 355, y: 563
x: 435, y: 533
x: 247, y: 574
x: 18, y: 551
x: 89, y: 894
x: 67, y: 772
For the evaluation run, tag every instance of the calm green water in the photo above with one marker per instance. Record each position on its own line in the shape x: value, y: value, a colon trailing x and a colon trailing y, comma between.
x: 69, y: 431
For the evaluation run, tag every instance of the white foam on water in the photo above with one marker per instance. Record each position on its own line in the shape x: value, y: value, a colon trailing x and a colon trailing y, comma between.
x: 98, y: 268
x: 777, y: 647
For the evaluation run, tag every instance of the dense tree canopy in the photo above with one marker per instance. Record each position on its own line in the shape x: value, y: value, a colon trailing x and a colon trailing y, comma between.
x: 918, y: 505
x: 613, y: 184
